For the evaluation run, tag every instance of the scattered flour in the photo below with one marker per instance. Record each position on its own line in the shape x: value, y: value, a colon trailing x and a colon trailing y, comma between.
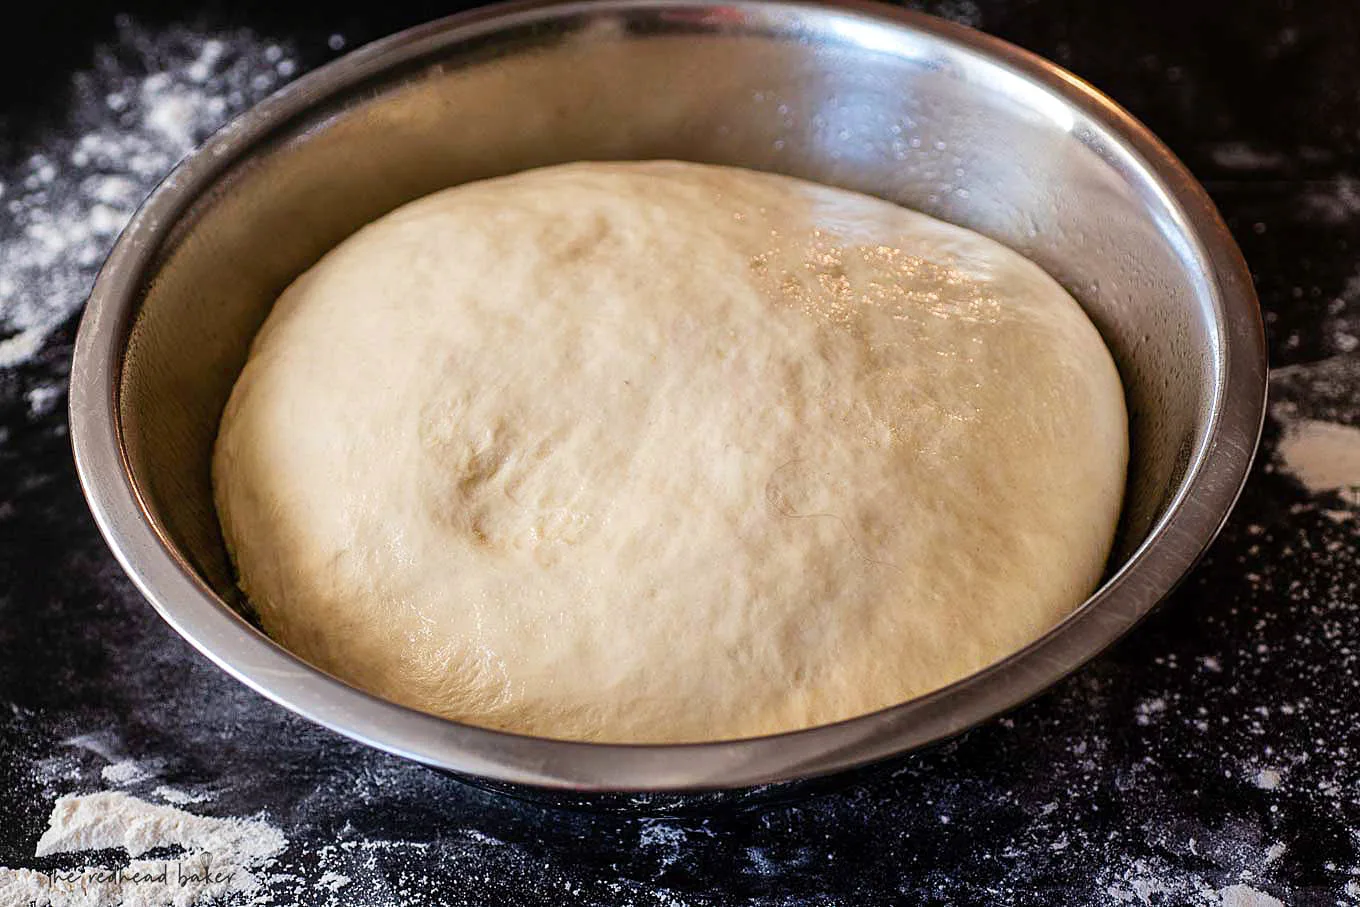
x: 217, y: 859
x: 55, y: 773
x: 1324, y: 456
x: 1139, y: 884
x: 149, y: 98
x: 333, y: 881
x: 1335, y: 201
x: 1147, y: 712
x: 43, y: 399
x: 103, y: 745
x: 666, y: 840
x: 1152, y: 882
x: 179, y: 797
x: 123, y: 773
x: 1246, y: 896
x: 1241, y: 156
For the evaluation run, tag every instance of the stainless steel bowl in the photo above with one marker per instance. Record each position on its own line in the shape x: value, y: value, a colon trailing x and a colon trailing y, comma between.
x: 919, y: 111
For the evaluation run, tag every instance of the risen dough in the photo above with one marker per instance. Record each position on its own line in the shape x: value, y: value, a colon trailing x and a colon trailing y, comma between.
x: 667, y: 452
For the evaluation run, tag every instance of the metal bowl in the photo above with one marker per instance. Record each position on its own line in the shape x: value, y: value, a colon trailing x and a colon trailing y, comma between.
x: 900, y: 105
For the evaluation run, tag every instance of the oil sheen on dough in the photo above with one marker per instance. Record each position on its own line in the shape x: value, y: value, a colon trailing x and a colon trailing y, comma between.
x: 667, y: 452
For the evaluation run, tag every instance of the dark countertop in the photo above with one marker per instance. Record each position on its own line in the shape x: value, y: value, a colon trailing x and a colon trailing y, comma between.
x: 1212, y: 757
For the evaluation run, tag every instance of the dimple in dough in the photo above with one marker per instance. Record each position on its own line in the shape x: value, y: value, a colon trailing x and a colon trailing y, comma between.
x: 661, y: 452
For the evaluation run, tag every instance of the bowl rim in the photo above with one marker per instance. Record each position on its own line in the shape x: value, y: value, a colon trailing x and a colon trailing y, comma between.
x: 1220, y: 464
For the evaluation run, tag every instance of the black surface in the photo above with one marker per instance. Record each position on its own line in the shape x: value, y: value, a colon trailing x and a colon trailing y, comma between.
x: 1139, y: 779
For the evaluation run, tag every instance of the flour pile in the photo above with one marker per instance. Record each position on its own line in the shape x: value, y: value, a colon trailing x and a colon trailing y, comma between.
x: 212, y: 859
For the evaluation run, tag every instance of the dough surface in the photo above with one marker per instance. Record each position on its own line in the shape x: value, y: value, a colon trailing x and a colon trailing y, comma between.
x: 663, y: 452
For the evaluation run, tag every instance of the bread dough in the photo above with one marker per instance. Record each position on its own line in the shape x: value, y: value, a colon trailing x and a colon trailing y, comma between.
x: 667, y: 452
